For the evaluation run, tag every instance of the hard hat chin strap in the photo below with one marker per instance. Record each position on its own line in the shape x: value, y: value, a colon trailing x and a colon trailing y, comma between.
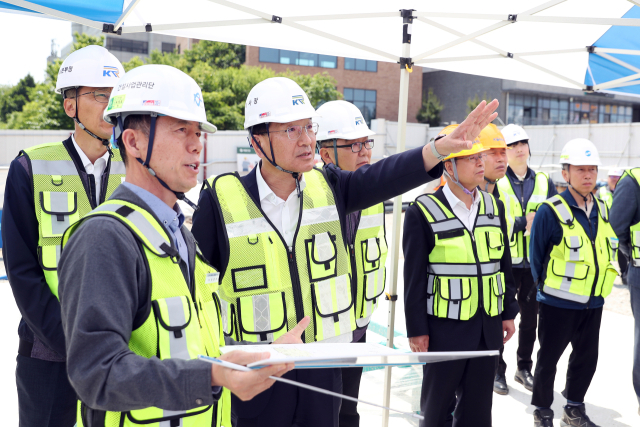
x: 335, y: 150
x: 152, y: 134
x: 253, y: 141
x: 105, y: 142
x: 489, y: 182
x: 456, y: 180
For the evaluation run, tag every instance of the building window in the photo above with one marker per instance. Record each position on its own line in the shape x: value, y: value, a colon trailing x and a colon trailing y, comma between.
x: 365, y: 100
x: 291, y: 57
x: 126, y: 45
x: 360, y: 65
x: 168, y: 47
x: 541, y: 110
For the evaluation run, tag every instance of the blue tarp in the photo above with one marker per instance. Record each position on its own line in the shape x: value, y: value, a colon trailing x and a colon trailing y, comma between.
x: 107, y: 11
x: 616, y: 37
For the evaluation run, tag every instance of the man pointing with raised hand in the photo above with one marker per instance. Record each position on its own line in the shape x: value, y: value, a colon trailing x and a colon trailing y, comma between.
x: 277, y: 236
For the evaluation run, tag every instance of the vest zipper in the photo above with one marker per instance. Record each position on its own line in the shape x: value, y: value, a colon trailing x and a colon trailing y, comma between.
x: 595, y: 255
x: 295, y: 281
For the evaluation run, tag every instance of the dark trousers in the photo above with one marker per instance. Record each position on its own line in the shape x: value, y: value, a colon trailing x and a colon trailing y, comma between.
x: 558, y: 327
x: 288, y: 405
x: 528, y: 321
x: 468, y: 380
x: 45, y: 396
x: 634, y: 289
x: 624, y: 265
x: 349, y: 416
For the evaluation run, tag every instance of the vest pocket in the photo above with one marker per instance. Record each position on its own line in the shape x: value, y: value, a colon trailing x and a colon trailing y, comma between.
x: 263, y: 317
x: 453, y: 295
x: 609, y: 277
x: 371, y: 254
x: 495, y: 245
x: 173, y: 418
x: 227, y: 313
x: 322, y: 256
x: 613, y: 245
x: 497, y: 291
x: 177, y: 337
x: 374, y: 284
x: 59, y: 210
x: 572, y: 246
x: 48, y: 256
x: 635, y: 243
x: 332, y: 307
x: 249, y: 278
x: 569, y: 278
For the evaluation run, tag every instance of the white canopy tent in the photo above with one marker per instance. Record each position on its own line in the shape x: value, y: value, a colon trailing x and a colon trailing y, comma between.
x: 537, y: 41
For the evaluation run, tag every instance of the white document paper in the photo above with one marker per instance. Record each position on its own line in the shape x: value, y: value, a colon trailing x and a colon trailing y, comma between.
x: 334, y: 355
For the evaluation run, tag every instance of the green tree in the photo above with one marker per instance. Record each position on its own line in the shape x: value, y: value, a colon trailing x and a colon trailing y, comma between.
x: 44, y: 109
x: 431, y: 109
x: 472, y: 103
x: 14, y: 98
x: 216, y: 54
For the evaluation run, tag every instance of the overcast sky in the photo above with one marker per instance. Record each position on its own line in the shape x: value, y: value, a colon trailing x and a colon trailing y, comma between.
x: 27, y: 43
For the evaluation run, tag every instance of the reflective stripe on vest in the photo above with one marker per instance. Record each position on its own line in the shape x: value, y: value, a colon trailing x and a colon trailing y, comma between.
x: 578, y: 267
x: 370, y: 255
x: 311, y: 278
x: 460, y: 266
x: 634, y: 231
x: 519, y: 243
x: 174, y: 329
x: 60, y: 199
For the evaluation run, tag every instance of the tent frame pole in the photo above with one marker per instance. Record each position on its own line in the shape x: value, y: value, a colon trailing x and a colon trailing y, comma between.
x: 403, y: 103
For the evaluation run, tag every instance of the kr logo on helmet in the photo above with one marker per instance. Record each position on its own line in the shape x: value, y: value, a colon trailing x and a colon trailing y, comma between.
x: 297, y: 100
x: 110, y: 72
x: 359, y: 121
x: 197, y: 99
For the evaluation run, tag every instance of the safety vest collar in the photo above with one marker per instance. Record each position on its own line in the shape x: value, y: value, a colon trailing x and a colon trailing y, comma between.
x: 564, y: 213
x: 447, y: 221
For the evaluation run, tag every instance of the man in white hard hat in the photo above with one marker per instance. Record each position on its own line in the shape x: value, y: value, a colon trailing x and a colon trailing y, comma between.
x: 344, y: 140
x: 49, y: 187
x: 277, y: 235
x: 625, y: 220
x: 135, y: 329
x: 528, y: 189
x: 572, y: 250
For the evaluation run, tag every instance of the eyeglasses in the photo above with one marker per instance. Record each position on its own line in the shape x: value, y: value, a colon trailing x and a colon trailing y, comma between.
x: 356, y: 147
x: 294, y: 132
x: 100, y: 95
x: 474, y: 159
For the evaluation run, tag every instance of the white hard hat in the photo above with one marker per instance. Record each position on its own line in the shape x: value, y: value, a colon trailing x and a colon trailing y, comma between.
x: 277, y: 100
x: 92, y: 66
x: 580, y: 152
x: 616, y: 172
x: 159, y: 89
x: 341, y: 119
x: 514, y: 133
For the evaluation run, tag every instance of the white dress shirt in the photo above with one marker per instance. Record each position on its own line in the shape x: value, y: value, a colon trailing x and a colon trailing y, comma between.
x: 283, y: 214
x: 96, y: 169
x: 467, y: 216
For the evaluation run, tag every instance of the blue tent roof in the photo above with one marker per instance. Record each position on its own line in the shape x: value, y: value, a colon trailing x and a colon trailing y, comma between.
x: 602, y: 70
x: 107, y: 11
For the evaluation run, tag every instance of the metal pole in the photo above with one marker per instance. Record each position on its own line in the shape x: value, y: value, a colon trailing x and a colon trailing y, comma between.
x: 406, y: 64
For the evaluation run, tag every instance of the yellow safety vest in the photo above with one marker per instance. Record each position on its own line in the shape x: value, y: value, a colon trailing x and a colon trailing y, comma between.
x: 462, y: 263
x: 606, y: 196
x: 268, y: 287
x: 61, y: 199
x: 369, y: 253
x: 519, y: 244
x: 180, y: 325
x: 580, y: 268
x: 635, y: 228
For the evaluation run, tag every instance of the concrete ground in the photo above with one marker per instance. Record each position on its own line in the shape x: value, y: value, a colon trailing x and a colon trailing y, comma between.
x: 611, y: 401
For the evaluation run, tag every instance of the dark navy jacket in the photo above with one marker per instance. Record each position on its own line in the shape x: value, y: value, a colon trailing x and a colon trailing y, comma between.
x: 625, y: 211
x: 40, y: 328
x: 478, y: 333
x: 546, y: 232
x: 354, y: 191
x: 523, y: 191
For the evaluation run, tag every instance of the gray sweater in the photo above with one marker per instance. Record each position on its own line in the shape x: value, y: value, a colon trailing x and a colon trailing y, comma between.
x: 105, y: 294
x: 625, y: 211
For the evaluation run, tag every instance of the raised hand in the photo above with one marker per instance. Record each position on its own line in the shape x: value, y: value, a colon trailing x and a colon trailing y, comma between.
x: 293, y: 336
x: 462, y: 136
